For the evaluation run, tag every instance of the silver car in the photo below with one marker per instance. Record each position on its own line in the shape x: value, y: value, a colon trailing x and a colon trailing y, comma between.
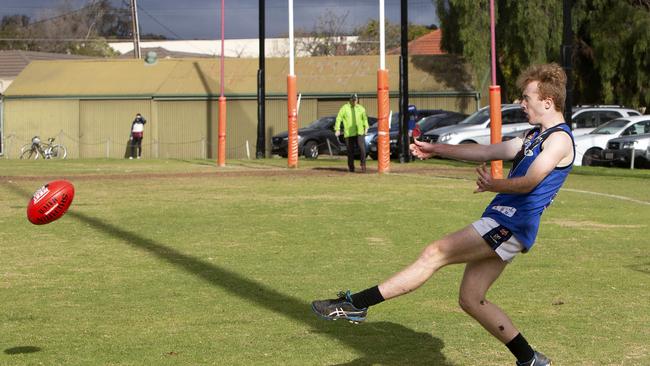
x: 475, y: 129
x: 589, y: 147
x: 622, y: 150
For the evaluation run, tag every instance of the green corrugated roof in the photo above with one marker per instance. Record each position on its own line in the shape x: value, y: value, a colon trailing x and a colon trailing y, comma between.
x: 200, y: 77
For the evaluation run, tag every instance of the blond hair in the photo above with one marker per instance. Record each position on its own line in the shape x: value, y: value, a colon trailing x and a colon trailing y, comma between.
x: 551, y: 80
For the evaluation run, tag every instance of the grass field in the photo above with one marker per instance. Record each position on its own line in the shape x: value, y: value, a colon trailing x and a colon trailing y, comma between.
x: 169, y: 262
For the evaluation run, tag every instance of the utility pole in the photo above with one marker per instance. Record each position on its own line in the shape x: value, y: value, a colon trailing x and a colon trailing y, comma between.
x: 136, y: 29
x: 403, y: 140
x: 261, y: 87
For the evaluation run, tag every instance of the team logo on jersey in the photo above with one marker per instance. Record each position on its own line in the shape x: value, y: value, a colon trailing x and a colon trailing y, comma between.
x: 506, y: 210
x: 530, y: 144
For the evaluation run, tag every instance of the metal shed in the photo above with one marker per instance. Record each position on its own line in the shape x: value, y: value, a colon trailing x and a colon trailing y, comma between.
x: 89, y: 105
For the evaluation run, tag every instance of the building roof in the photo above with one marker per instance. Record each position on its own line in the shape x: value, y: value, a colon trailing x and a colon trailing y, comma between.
x: 199, y: 77
x: 428, y: 44
x: 12, y: 62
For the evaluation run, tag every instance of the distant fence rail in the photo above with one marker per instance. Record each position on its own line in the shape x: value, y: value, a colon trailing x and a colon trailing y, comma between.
x: 110, y: 148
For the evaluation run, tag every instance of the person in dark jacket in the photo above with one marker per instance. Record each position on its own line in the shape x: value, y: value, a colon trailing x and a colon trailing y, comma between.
x: 137, y: 131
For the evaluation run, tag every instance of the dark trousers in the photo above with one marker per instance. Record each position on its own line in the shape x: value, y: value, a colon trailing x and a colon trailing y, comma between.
x: 136, y: 146
x: 353, y: 143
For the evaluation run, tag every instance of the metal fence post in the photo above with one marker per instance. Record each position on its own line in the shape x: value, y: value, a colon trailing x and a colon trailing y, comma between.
x: 9, y: 145
x: 632, y: 158
x: 108, y: 148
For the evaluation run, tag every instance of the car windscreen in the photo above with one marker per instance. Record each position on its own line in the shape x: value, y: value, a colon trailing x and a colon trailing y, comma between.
x: 477, y: 118
x: 440, y: 120
x: 610, y: 127
x: 323, y: 123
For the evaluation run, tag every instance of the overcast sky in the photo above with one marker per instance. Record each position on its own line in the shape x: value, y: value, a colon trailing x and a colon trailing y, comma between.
x: 200, y: 19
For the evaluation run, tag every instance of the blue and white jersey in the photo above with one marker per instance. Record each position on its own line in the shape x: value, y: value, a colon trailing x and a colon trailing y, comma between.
x: 521, y: 213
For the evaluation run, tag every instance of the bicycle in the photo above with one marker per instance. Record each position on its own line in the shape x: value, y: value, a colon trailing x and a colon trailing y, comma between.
x: 48, y: 150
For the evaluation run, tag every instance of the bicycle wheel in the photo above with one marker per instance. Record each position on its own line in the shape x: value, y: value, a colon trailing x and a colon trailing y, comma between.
x: 58, y: 152
x: 27, y: 152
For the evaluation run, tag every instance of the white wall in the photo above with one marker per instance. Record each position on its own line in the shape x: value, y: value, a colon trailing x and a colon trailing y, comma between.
x: 274, y: 47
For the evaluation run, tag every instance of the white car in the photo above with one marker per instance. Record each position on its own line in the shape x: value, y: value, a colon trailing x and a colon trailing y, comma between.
x: 585, y: 119
x: 475, y: 129
x: 589, y: 147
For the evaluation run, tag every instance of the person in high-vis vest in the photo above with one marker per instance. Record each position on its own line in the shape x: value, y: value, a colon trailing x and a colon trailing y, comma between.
x: 355, y: 128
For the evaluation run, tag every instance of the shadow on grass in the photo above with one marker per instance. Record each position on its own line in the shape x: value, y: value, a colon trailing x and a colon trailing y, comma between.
x: 22, y: 350
x: 332, y: 169
x: 383, y: 343
x: 642, y: 268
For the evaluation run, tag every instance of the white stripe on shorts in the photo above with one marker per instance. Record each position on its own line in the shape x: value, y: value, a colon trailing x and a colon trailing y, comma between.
x: 506, y: 250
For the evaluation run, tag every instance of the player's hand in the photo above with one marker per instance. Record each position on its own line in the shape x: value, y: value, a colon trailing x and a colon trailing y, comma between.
x: 484, y: 181
x: 421, y: 150
x: 337, y: 133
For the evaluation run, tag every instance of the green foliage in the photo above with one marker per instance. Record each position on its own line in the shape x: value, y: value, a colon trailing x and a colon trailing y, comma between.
x: 522, y: 42
x: 466, y: 31
x: 613, y: 51
x: 612, y: 44
x: 14, y: 27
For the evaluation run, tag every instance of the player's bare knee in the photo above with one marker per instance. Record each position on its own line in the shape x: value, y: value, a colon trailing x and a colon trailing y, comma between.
x: 471, y: 303
x: 431, y: 256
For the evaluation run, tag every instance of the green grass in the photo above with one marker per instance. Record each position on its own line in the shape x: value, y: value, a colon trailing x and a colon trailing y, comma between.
x: 168, y: 262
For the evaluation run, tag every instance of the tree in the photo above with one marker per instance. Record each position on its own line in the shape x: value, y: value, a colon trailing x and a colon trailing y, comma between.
x: 327, y: 38
x: 611, y: 60
x: 368, y: 36
x: 519, y: 41
x: 613, y: 54
x: 13, y: 28
x: 81, y: 31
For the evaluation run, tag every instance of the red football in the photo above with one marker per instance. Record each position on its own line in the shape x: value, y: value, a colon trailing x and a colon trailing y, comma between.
x: 50, y: 202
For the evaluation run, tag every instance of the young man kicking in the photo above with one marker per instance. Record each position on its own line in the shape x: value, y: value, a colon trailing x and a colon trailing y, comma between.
x: 541, y: 162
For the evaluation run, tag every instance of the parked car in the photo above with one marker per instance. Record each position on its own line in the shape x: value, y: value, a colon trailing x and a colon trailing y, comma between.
x: 586, y: 118
x: 445, y: 118
x: 619, y: 151
x: 475, y: 129
x: 415, y: 114
x: 315, y: 139
x: 589, y: 147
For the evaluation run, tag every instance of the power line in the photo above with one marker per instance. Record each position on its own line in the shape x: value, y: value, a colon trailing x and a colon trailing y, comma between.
x: 159, y: 23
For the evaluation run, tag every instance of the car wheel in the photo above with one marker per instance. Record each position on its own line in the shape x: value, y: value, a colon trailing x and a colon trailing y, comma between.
x: 310, y: 150
x: 467, y: 142
x: 373, y: 156
x: 591, y: 156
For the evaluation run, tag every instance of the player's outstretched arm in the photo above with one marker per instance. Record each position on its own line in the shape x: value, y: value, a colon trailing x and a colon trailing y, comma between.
x: 471, y: 152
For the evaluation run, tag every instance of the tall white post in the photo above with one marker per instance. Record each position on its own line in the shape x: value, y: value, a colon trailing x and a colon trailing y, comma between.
x: 382, y: 36
x: 291, y: 47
